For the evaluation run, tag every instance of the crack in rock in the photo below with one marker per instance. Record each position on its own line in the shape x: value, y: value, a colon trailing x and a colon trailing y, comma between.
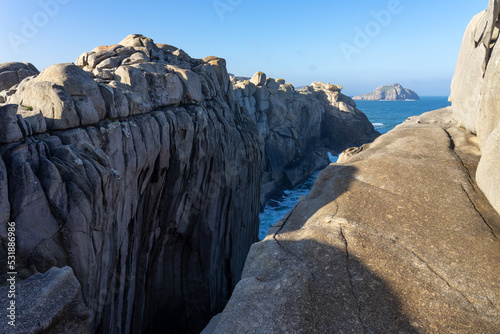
x: 351, y: 278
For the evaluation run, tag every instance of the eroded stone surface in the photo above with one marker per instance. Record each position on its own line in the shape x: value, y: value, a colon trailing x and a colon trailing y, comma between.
x: 47, y: 303
x: 299, y: 127
x: 398, y: 239
x: 136, y: 169
x: 474, y: 94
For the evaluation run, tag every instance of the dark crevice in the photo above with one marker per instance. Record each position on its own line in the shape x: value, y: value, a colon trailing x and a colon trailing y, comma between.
x: 478, y: 212
x: 472, y: 182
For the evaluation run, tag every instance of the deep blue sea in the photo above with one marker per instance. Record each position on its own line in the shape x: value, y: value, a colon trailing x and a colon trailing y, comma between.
x: 384, y: 115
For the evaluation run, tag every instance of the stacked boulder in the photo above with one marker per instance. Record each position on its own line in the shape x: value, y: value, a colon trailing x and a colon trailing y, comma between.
x: 299, y: 127
x: 134, y: 168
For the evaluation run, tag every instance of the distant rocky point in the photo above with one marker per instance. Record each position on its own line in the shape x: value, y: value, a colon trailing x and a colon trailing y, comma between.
x: 394, y: 92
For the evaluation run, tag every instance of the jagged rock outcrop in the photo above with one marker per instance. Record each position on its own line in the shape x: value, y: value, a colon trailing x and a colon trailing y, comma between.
x: 474, y: 95
x: 135, y: 168
x: 48, y: 303
x: 394, y: 92
x: 299, y: 127
x: 396, y: 239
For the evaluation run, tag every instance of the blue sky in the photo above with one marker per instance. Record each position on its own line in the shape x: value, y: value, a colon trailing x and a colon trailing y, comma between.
x: 358, y: 44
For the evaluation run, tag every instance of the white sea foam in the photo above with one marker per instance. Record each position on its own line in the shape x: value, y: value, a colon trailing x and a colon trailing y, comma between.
x: 275, y: 209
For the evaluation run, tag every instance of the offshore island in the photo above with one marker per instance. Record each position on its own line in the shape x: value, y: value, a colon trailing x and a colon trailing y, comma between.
x: 394, y: 92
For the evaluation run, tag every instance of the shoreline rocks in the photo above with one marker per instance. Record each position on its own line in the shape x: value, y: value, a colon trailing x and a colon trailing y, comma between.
x: 299, y: 127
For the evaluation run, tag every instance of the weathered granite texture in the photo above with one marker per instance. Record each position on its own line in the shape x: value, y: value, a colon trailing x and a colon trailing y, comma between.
x: 394, y: 92
x: 136, y: 169
x: 299, y: 127
x: 475, y: 98
x: 48, y: 303
x: 395, y: 239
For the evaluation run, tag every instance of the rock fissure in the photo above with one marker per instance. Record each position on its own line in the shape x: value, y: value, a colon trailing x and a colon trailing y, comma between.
x: 478, y: 212
x: 472, y: 183
x: 350, y: 279
x: 442, y: 278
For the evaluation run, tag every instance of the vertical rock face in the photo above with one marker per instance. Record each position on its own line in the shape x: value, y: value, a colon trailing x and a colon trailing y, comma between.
x: 299, y: 127
x: 474, y: 95
x: 133, y: 168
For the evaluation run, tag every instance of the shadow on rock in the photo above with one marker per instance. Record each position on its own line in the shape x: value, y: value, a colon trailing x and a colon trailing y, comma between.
x: 308, y: 280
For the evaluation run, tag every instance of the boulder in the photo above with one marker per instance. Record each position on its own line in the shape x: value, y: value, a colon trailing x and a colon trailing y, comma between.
x: 55, y: 104
x: 259, y: 79
x: 468, y: 78
x: 191, y: 82
x: 14, y: 72
x: 474, y: 93
x: 66, y: 95
x: 272, y: 86
x: 48, y: 303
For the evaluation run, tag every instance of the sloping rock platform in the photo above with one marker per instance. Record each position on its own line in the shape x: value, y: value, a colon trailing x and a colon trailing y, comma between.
x: 395, y: 239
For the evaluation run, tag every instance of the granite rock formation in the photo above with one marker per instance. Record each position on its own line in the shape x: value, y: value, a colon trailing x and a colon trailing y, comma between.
x: 474, y: 95
x: 395, y: 239
x: 134, y: 168
x: 299, y: 127
x: 13, y: 73
x: 394, y: 92
x: 48, y: 303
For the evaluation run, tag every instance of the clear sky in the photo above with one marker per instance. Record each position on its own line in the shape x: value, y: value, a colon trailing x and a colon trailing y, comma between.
x: 360, y: 44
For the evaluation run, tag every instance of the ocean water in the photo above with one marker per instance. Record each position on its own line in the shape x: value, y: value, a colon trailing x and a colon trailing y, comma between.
x: 384, y: 115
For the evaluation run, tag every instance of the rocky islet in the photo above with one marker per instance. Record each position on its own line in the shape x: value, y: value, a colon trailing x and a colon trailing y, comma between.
x: 394, y: 92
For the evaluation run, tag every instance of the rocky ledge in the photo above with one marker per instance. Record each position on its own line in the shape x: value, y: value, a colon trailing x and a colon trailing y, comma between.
x: 394, y: 92
x: 395, y: 239
x: 299, y: 127
x: 402, y: 235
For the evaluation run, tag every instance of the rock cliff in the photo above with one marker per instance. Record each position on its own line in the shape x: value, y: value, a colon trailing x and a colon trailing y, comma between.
x: 299, y: 127
x: 134, y: 168
x: 474, y: 95
x: 394, y: 92
x: 397, y: 237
